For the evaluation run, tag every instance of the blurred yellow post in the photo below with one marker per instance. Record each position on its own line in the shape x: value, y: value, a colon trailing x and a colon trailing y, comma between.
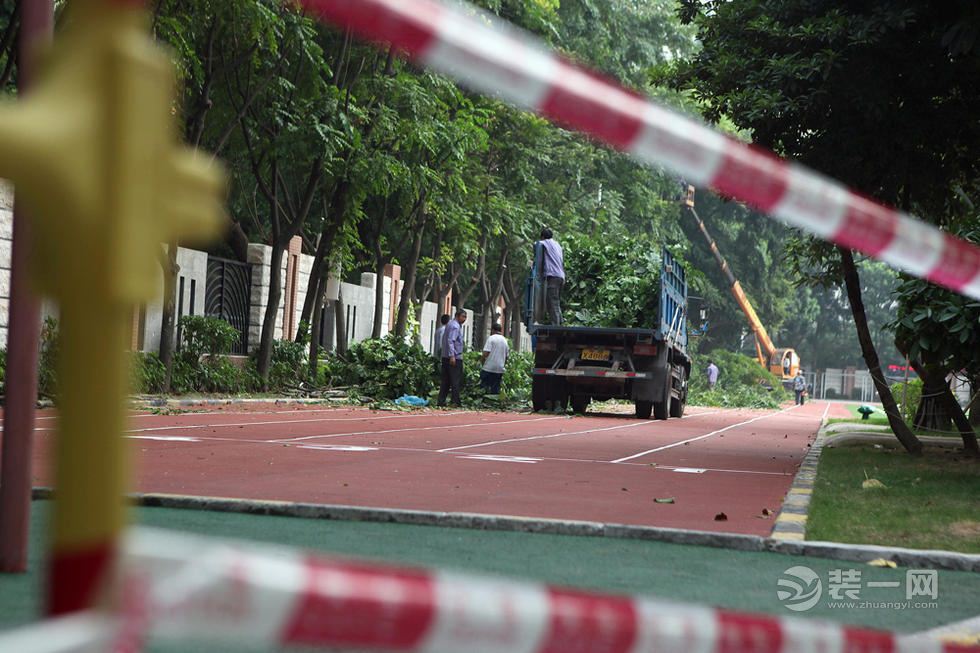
x: 93, y: 150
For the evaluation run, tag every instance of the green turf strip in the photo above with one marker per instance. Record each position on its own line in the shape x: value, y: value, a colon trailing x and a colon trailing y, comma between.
x: 732, y: 579
x: 928, y: 502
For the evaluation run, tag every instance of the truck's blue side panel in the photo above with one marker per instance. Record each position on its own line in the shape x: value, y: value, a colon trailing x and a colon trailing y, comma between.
x: 534, y: 288
x: 673, y: 302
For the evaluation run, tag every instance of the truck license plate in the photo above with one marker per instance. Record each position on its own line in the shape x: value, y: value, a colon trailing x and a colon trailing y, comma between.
x: 595, y: 354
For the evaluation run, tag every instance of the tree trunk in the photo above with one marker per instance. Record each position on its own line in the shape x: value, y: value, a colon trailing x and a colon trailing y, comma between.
x: 419, y: 307
x: 463, y: 296
x: 328, y: 236
x: 481, y: 323
x: 974, y: 401
x: 514, y: 309
x: 379, y: 268
x: 489, y: 313
x: 237, y: 240
x: 853, y: 285
x: 934, y: 378
x: 963, y: 425
x: 933, y: 411
x: 410, y: 268
x: 314, y: 351
x: 442, y: 291
x: 340, y: 325
x: 271, y: 313
x: 169, y: 313
x: 379, y: 292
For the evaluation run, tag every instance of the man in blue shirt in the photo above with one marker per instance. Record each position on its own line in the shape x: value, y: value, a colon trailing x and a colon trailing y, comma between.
x: 452, y: 359
x: 553, y: 270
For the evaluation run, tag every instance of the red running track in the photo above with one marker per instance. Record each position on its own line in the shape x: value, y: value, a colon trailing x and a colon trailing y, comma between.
x: 606, y: 468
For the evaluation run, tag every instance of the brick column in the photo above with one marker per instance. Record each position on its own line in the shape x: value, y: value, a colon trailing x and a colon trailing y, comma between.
x: 393, y: 272
x: 289, y: 294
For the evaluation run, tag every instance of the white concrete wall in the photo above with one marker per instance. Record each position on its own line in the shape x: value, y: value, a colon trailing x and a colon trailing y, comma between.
x: 194, y: 273
x: 429, y: 322
x: 302, y: 284
x: 358, y: 311
x: 6, y: 238
x: 525, y: 339
x: 368, y: 280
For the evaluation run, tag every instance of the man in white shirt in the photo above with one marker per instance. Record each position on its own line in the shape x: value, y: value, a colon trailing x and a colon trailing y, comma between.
x: 712, y: 374
x: 495, y: 352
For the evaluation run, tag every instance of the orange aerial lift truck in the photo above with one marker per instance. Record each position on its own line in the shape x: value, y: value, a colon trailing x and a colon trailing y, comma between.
x: 781, y: 361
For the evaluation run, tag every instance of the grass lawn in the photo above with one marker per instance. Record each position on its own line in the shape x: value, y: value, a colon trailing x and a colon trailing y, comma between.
x: 931, y: 502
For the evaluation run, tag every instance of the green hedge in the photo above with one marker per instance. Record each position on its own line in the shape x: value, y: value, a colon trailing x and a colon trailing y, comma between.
x: 742, y: 383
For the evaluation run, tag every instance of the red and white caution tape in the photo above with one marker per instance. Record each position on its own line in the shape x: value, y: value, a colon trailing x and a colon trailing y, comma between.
x: 202, y: 589
x: 84, y: 632
x: 198, y: 589
x: 492, y: 59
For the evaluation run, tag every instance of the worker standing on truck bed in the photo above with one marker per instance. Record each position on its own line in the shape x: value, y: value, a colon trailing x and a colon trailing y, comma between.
x: 553, y: 270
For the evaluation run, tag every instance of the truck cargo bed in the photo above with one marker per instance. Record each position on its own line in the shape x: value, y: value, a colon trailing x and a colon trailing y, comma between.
x: 547, y: 329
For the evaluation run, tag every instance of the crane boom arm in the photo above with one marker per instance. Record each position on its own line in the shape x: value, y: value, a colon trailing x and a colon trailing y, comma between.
x: 761, y: 335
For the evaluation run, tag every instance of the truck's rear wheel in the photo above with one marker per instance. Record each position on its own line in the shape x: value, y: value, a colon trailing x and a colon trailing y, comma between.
x: 662, y: 408
x: 580, y: 403
x: 539, y: 393
x: 643, y: 409
x: 677, y: 405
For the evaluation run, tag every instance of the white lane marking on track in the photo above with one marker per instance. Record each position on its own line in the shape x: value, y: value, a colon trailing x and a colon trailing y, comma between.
x: 206, y: 439
x: 541, y: 437
x: 826, y: 410
x: 700, y: 437
x: 164, y: 438
x: 501, y: 459
x: 420, y: 428
x: 556, y: 435
x: 335, y: 447
x: 689, y: 470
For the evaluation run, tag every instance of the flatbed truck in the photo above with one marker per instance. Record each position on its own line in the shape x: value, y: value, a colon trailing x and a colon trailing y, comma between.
x: 647, y: 365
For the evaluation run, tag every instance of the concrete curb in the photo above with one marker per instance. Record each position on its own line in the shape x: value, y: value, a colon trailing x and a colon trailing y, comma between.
x: 875, y: 438
x: 790, y: 524
x: 852, y: 553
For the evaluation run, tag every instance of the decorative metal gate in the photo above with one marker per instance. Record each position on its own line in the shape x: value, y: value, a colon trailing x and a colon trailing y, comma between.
x: 228, y: 295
